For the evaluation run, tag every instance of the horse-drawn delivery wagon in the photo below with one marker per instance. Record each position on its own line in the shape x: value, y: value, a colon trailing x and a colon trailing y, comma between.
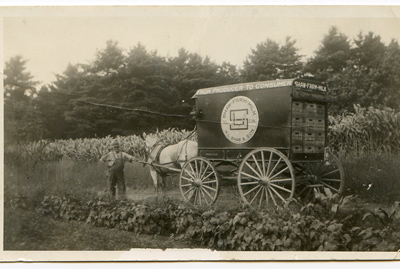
x: 270, y: 137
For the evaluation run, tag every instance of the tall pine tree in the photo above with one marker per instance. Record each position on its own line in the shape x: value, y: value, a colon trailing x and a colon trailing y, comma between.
x: 21, y: 120
x: 270, y: 61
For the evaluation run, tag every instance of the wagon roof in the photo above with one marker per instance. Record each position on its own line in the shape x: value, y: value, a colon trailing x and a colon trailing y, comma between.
x: 258, y: 86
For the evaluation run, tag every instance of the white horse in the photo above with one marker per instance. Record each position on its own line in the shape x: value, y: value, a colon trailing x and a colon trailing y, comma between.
x: 170, y: 156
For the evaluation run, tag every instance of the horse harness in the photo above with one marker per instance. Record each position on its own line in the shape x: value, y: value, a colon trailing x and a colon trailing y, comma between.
x: 155, y: 153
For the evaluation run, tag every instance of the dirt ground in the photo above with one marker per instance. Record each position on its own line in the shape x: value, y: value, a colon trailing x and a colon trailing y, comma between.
x: 228, y: 196
x: 139, y: 194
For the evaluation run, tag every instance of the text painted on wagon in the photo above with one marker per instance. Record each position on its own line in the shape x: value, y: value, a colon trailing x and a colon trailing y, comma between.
x: 309, y: 86
x: 239, y: 119
x: 245, y: 87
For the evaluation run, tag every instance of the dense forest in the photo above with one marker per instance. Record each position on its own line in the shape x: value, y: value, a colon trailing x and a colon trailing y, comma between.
x: 83, y: 101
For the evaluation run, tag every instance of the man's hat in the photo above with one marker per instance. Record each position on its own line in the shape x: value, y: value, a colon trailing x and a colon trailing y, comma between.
x: 115, y: 144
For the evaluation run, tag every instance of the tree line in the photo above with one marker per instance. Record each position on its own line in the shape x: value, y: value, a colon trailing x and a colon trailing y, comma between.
x: 362, y: 70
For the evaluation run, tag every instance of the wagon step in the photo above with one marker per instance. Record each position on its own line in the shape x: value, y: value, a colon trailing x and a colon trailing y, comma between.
x: 230, y: 178
x: 315, y: 186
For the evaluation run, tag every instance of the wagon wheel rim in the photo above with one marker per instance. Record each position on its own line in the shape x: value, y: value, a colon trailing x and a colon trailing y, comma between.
x: 198, y: 182
x: 316, y: 177
x: 266, y: 178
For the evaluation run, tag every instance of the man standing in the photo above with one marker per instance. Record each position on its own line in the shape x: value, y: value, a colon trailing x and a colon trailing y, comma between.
x: 115, y: 161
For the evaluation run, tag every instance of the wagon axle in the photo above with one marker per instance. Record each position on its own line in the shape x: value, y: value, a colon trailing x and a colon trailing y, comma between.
x: 264, y: 182
x: 197, y: 183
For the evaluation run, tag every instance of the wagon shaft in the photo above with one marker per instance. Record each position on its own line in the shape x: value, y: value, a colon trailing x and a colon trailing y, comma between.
x: 164, y: 166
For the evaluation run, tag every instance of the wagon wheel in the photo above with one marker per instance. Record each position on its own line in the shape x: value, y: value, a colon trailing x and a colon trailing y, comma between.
x: 266, y: 177
x: 198, y: 182
x: 315, y: 177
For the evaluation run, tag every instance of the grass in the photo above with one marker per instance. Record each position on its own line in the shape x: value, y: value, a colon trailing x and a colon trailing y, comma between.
x: 68, y: 178
x: 375, y: 178
x: 28, y: 230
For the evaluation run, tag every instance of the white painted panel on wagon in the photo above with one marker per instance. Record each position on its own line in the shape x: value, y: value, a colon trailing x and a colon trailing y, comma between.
x: 239, y: 119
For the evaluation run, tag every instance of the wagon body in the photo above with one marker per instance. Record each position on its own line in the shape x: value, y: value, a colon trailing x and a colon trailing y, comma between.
x: 289, y: 115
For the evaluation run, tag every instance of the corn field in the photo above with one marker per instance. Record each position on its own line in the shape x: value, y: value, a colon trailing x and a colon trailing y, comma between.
x: 368, y: 130
x: 87, y: 149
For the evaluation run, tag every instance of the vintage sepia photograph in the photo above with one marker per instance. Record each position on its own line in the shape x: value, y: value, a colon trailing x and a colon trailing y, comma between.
x: 200, y: 133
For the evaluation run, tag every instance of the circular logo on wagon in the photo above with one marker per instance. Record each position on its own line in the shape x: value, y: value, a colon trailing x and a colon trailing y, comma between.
x: 239, y: 119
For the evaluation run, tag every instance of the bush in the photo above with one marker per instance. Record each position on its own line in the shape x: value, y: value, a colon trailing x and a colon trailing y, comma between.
x: 315, y: 226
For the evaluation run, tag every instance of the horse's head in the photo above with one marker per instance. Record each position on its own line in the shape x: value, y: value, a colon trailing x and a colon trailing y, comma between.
x: 152, y: 146
x: 150, y: 141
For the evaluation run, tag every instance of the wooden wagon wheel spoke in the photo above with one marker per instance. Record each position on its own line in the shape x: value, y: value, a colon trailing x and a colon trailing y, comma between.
x: 266, y: 196
x: 329, y: 186
x: 281, y: 180
x: 203, y: 183
x: 272, y: 196
x: 201, y: 167
x: 191, y: 196
x: 193, y: 172
x: 269, y: 163
x: 331, y: 179
x: 191, y: 189
x: 188, y: 179
x: 261, y: 197
x: 258, y: 166
x: 204, y: 172
x: 209, y: 188
x: 197, y: 168
x: 262, y: 162
x: 277, y: 193
x: 212, y: 173
x: 307, y: 169
x: 205, y: 198
x: 199, y: 196
x: 265, y: 174
x: 209, y: 195
x: 255, y: 172
x: 195, y: 196
x: 255, y: 196
x: 191, y: 175
x: 249, y: 183
x: 258, y: 186
x: 331, y: 172
x: 279, y: 187
x: 208, y: 200
x: 280, y: 172
x: 199, y: 193
x: 273, y: 169
x: 303, y: 190
x: 300, y: 183
x: 209, y: 182
x: 253, y: 177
